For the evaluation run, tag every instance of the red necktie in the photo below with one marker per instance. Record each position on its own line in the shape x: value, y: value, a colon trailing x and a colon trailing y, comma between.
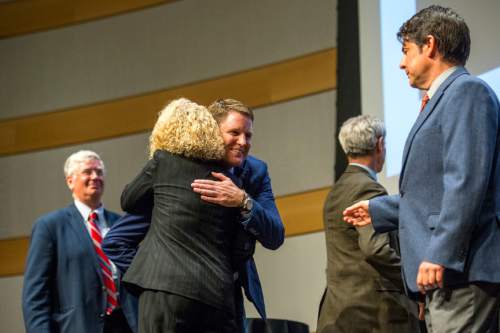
x: 425, y: 99
x: 107, y: 275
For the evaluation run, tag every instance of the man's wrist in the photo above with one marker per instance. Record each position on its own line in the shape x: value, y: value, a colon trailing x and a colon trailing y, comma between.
x: 246, y: 203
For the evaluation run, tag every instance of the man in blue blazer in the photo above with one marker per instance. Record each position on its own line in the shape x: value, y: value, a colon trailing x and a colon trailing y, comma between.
x: 448, y: 206
x: 259, y: 216
x: 64, y: 284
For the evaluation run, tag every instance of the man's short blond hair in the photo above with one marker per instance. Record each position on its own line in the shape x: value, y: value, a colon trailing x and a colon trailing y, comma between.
x: 188, y: 129
x: 221, y: 108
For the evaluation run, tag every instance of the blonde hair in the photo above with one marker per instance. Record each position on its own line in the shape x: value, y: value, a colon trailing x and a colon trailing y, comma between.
x: 188, y: 129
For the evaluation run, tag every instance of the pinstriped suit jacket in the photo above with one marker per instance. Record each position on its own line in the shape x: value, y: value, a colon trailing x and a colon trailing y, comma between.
x: 188, y: 248
x: 121, y: 242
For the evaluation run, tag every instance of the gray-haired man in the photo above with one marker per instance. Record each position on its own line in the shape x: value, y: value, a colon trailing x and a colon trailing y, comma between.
x: 364, y: 285
x: 69, y: 284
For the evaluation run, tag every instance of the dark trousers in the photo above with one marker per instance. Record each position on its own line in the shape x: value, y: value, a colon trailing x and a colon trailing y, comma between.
x: 469, y: 308
x: 116, y: 323
x: 162, y: 312
x: 239, y: 308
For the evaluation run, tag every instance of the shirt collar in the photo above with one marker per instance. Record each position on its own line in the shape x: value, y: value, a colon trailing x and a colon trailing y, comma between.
x: 86, y: 210
x: 370, y: 171
x: 439, y: 80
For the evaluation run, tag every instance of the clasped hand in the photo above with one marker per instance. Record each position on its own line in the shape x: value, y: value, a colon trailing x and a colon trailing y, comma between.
x: 220, y: 192
x: 358, y: 214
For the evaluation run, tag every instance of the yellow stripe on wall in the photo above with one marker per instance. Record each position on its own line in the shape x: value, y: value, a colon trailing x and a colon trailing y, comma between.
x: 301, y: 213
x: 257, y: 87
x: 27, y: 16
x: 13, y: 254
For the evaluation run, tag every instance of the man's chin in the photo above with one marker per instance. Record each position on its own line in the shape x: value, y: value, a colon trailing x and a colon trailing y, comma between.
x: 234, y: 161
x: 97, y: 192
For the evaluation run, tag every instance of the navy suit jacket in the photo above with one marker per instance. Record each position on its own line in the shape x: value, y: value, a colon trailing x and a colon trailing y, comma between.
x: 63, y: 288
x: 448, y: 206
x: 120, y: 243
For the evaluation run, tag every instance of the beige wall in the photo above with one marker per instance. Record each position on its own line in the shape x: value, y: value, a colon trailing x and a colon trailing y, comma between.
x: 293, y: 278
x: 158, y: 48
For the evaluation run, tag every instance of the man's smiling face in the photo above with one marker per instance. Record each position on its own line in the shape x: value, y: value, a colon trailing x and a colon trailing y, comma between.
x: 236, y: 131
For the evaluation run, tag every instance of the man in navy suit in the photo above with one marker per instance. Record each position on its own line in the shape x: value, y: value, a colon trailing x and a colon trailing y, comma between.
x: 448, y: 206
x: 65, y: 289
x: 259, y: 216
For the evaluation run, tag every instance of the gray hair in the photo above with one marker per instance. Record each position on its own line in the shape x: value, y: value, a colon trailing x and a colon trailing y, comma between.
x: 358, y: 135
x: 74, y: 160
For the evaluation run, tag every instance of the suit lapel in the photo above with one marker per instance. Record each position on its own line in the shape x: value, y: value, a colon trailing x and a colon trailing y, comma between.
x: 78, y: 225
x: 110, y: 220
x: 241, y: 175
x: 422, y: 117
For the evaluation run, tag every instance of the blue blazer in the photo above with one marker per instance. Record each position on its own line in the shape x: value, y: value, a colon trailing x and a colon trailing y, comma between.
x: 264, y: 223
x: 448, y: 206
x: 63, y: 288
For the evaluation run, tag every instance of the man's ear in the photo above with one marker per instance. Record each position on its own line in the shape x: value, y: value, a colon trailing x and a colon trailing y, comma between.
x: 380, y: 144
x: 69, y: 182
x: 430, y: 46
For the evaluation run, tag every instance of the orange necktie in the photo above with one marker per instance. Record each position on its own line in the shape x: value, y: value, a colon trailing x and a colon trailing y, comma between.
x: 425, y: 99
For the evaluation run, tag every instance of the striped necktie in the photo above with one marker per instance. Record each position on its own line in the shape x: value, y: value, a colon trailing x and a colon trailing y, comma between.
x: 107, y: 275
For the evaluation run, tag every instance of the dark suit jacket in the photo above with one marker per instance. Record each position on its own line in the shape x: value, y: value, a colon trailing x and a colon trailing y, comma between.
x: 448, y: 206
x: 63, y: 288
x: 188, y: 249
x: 121, y: 242
x: 364, y: 284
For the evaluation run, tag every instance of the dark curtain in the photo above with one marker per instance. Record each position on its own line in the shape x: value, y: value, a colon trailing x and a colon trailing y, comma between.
x: 348, y: 72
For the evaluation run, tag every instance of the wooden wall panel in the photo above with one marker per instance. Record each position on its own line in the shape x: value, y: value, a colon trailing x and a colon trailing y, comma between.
x: 258, y: 87
x: 27, y: 16
x: 13, y: 255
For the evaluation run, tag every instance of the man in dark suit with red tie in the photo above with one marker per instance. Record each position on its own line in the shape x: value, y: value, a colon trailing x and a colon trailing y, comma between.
x: 69, y: 283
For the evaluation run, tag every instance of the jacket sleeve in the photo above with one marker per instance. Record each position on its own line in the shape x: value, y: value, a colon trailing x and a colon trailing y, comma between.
x: 122, y: 241
x: 378, y: 252
x: 137, y: 197
x: 264, y: 221
x: 376, y: 247
x: 38, y: 280
x: 384, y: 211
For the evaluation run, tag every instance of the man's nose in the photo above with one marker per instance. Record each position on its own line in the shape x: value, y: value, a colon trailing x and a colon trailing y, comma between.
x: 242, y: 140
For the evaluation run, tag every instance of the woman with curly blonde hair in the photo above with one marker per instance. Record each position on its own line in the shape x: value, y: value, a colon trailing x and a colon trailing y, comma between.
x: 183, y: 267
x: 188, y: 129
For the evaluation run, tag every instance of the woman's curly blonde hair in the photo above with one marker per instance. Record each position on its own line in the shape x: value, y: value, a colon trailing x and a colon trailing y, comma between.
x: 188, y: 129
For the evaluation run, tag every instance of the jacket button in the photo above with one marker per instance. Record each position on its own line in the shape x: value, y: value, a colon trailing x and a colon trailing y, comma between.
x: 462, y: 255
x: 101, y: 315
